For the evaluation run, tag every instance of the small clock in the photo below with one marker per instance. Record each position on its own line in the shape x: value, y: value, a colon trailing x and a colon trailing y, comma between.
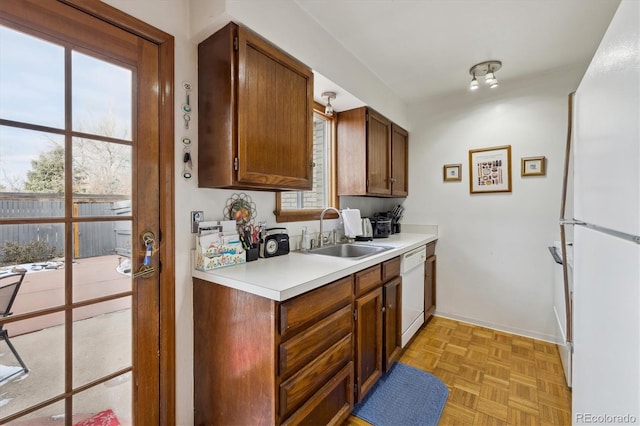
x: 270, y: 247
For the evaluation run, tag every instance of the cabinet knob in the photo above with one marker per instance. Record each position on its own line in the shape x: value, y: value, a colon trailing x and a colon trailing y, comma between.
x: 312, y: 163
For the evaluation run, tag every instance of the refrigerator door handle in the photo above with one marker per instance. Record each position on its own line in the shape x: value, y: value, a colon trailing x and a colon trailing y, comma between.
x: 563, y: 205
x: 571, y: 222
x: 612, y: 232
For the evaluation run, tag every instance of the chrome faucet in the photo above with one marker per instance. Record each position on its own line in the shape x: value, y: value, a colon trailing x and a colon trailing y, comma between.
x: 321, y: 238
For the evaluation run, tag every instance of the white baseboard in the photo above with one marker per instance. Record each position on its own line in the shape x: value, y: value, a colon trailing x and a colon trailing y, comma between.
x: 513, y: 330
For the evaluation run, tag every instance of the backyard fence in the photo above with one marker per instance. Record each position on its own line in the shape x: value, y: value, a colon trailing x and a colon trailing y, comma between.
x: 90, y: 239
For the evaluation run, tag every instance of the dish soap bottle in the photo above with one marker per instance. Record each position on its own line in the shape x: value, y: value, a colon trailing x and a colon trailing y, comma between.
x: 304, y: 241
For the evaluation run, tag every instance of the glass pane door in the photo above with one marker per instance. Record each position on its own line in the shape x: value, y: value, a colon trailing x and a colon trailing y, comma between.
x: 67, y: 217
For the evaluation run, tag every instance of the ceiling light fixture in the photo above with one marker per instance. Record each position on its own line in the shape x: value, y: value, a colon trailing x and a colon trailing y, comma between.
x: 329, y: 108
x: 488, y: 69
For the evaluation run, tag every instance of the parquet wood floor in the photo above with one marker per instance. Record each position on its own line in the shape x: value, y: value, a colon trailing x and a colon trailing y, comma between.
x: 494, y: 378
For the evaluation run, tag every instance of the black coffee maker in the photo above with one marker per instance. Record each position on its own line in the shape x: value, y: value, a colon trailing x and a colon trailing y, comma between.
x: 381, y: 224
x: 387, y: 223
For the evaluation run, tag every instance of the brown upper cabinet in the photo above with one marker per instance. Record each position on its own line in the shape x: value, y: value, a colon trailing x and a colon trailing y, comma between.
x: 255, y: 114
x: 399, y: 161
x: 372, y: 155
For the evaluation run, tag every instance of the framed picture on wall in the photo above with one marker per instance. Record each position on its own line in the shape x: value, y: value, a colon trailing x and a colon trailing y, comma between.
x: 490, y: 169
x: 533, y: 166
x: 452, y: 172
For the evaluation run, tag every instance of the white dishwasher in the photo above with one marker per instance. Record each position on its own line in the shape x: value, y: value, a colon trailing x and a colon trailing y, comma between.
x: 412, y: 271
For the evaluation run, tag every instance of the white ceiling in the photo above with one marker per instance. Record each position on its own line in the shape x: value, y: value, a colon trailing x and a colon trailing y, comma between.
x: 424, y: 48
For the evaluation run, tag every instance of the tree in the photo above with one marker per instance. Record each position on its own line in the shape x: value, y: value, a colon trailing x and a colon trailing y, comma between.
x: 47, y: 172
x: 99, y: 167
x: 106, y: 167
x: 11, y: 183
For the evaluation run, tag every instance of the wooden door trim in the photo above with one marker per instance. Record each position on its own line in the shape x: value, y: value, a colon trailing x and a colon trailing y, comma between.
x: 165, y: 43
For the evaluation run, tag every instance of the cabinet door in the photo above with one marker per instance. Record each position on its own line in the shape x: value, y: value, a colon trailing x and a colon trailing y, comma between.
x: 429, y: 286
x: 275, y: 116
x: 399, y: 161
x: 368, y: 341
x: 378, y: 154
x: 392, y: 322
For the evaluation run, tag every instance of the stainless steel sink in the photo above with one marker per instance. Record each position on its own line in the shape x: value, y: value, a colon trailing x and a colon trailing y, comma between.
x: 348, y: 250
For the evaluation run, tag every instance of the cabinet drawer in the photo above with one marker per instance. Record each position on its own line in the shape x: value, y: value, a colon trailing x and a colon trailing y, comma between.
x: 390, y: 269
x: 305, y: 382
x: 331, y: 405
x: 368, y: 279
x: 312, y: 306
x: 303, y: 347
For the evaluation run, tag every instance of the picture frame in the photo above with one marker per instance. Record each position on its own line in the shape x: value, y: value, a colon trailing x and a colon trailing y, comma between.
x: 452, y: 172
x: 533, y: 166
x: 490, y: 170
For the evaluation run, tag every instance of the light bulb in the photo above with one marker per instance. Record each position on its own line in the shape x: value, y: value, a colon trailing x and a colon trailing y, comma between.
x: 489, y: 78
x: 329, y: 108
x: 474, y: 83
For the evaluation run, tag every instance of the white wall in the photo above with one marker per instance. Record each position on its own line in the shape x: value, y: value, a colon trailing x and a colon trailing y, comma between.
x: 494, y: 268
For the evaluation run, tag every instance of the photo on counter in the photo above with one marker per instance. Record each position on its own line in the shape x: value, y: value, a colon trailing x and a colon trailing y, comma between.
x: 452, y: 172
x: 533, y: 166
x: 490, y: 169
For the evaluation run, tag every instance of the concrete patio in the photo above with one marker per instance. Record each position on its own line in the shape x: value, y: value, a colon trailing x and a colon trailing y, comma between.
x: 44, y: 288
x: 102, y: 338
x: 105, y: 347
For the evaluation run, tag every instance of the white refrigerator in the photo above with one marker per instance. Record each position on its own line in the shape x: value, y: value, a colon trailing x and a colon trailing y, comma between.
x: 606, y: 235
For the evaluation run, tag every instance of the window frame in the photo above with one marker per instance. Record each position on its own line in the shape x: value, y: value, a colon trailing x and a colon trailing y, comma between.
x: 333, y: 200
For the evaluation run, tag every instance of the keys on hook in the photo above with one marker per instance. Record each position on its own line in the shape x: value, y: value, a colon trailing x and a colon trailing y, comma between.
x: 147, y: 254
x: 146, y: 268
x: 186, y: 164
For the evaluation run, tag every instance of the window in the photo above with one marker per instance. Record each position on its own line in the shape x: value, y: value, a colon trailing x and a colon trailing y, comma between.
x: 294, y: 206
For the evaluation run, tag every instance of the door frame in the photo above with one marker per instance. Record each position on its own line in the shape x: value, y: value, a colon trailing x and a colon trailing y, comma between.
x: 165, y: 43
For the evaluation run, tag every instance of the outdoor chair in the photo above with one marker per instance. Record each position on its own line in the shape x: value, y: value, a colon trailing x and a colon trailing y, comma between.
x: 8, y: 293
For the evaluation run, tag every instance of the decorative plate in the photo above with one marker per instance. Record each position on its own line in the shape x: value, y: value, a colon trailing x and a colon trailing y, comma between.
x: 240, y: 208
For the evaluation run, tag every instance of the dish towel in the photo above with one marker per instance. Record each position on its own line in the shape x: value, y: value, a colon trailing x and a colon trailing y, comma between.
x: 352, y: 222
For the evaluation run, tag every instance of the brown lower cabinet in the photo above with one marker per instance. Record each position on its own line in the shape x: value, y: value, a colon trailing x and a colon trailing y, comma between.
x: 430, y: 281
x: 262, y: 362
x: 378, y: 329
x: 392, y: 292
x: 368, y: 341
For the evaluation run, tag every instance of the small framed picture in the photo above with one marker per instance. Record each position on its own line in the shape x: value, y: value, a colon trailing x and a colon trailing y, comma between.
x: 452, y: 172
x: 490, y: 170
x: 533, y: 166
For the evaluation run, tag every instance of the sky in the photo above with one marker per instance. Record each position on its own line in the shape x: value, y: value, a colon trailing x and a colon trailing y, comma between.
x: 32, y: 91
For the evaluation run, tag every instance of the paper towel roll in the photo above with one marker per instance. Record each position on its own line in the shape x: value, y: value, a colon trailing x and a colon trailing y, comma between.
x: 352, y: 222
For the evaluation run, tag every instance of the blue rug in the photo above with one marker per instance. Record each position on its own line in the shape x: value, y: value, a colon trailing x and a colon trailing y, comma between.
x: 404, y: 396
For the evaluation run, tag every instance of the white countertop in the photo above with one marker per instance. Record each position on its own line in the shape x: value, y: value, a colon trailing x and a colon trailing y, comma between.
x: 283, y: 277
